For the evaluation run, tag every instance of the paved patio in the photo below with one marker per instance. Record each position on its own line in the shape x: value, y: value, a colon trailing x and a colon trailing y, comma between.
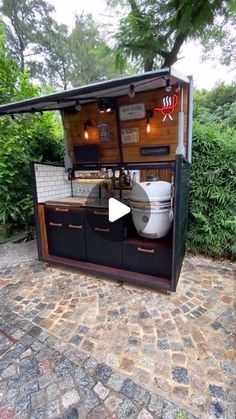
x: 75, y: 345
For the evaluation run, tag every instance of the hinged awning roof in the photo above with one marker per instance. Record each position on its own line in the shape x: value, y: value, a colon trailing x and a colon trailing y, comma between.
x: 92, y: 92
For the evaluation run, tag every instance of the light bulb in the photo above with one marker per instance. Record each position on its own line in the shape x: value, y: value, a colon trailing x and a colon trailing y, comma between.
x: 168, y: 86
x: 78, y: 107
x: 86, y: 134
x: 148, y: 127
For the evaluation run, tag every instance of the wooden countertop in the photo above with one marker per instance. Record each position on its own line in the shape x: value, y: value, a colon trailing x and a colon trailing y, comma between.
x: 81, y: 201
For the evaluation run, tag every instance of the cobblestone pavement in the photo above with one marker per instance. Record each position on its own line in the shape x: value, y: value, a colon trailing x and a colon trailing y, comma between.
x: 73, y: 345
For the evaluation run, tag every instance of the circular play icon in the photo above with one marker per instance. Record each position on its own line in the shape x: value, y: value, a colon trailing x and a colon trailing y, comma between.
x: 114, y: 218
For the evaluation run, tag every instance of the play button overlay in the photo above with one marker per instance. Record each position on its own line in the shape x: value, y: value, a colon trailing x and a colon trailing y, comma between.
x: 117, y: 210
x: 110, y: 219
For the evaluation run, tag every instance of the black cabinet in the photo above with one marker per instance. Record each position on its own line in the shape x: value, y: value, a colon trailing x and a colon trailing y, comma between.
x: 65, y: 232
x: 148, y: 257
x: 101, y: 249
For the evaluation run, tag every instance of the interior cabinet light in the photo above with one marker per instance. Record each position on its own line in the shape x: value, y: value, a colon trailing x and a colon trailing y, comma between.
x: 87, y: 124
x: 149, y: 114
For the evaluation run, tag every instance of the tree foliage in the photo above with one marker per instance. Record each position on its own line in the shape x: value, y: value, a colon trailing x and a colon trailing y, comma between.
x: 51, y: 52
x: 26, y: 138
x: 152, y: 32
x: 212, y: 221
x: 25, y: 22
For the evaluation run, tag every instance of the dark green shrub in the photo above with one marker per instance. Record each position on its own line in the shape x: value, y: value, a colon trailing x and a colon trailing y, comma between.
x: 212, y: 220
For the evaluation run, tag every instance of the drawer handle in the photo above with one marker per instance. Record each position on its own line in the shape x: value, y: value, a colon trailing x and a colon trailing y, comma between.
x: 100, y: 212
x: 62, y: 209
x: 141, y: 249
x: 104, y: 230
x: 55, y: 224
x: 75, y: 226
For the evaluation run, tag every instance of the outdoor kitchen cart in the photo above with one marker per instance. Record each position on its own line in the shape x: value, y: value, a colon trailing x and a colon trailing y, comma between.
x: 117, y: 133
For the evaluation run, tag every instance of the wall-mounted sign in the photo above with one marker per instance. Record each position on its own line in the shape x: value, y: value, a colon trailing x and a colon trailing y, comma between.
x: 169, y: 105
x: 130, y: 135
x: 129, y: 112
x: 104, y: 131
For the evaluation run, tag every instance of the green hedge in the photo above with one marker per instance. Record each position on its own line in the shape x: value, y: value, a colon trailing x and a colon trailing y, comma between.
x: 212, y: 219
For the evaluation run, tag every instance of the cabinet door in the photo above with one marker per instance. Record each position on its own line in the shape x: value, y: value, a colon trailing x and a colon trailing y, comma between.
x: 101, y: 249
x: 150, y: 260
x: 65, y: 231
x: 75, y: 242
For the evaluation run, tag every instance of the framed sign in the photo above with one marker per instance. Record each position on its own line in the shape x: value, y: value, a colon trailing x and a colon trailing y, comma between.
x: 104, y: 131
x: 130, y: 135
x: 129, y: 112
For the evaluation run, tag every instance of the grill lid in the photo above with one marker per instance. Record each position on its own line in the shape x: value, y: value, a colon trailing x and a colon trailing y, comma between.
x: 151, y: 191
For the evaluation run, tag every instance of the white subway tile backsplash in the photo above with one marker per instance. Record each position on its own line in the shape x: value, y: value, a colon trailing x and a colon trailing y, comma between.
x: 51, y: 181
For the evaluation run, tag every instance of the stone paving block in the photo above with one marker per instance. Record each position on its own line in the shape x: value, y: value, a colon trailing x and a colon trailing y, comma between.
x: 180, y: 375
x: 216, y: 410
x: 91, y: 401
x: 116, y: 381
x: 90, y: 365
x: 85, y: 384
x: 23, y: 404
x: 103, y: 373
x: 45, y: 379
x: 38, y: 400
x: 113, y: 401
x: 29, y: 388
x: 141, y: 395
x: 79, y: 373
x: 127, y: 409
x: 52, y: 392
x: 128, y: 388
x: 9, y: 371
x: 70, y: 398
x: 99, y: 412
x: 71, y: 414
x: 170, y: 411
x: 144, y: 414
x: 63, y: 367
x: 101, y: 391
x: 53, y: 409
x: 66, y: 382
x: 156, y: 405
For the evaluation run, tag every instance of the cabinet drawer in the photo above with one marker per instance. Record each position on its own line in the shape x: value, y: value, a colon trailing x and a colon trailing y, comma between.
x: 148, y: 259
x: 99, y: 222
x: 63, y: 214
x: 102, y: 250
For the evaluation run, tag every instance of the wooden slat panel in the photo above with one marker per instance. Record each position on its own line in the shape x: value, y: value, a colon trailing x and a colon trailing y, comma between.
x: 162, y: 132
x: 74, y: 124
x: 162, y: 174
x: 43, y: 231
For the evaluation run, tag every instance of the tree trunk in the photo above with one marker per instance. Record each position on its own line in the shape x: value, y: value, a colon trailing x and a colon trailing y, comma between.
x: 148, y: 64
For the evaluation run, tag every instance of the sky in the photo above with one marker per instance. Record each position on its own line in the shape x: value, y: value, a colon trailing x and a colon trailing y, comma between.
x: 205, y: 74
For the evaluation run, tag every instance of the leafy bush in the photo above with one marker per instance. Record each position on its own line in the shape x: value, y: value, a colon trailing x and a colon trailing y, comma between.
x: 212, y: 221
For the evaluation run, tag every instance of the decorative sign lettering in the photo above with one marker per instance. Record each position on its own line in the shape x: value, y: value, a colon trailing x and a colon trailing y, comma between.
x: 129, y: 112
x: 104, y: 131
x: 169, y: 105
x: 130, y: 135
